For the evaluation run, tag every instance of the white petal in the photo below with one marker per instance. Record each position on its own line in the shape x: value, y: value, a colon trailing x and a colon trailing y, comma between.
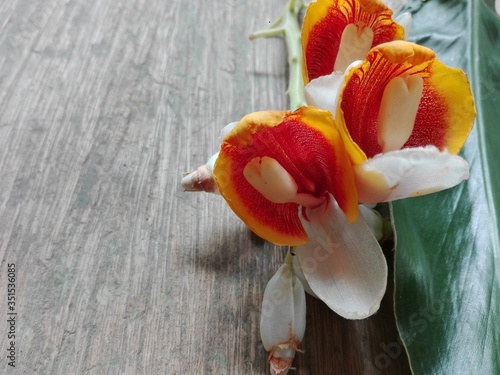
x: 283, y: 316
x: 405, y: 20
x: 343, y: 263
x: 373, y: 219
x: 408, y: 173
x: 497, y: 6
x: 300, y: 275
x: 211, y: 162
x: 395, y: 5
x: 322, y: 92
x: 226, y: 129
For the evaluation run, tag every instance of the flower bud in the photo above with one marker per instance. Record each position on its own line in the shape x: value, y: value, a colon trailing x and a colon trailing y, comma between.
x: 283, y: 318
x: 202, y: 179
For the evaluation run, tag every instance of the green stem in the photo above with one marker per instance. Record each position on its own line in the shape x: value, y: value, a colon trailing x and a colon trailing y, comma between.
x: 289, y: 261
x: 289, y: 257
x: 287, y: 25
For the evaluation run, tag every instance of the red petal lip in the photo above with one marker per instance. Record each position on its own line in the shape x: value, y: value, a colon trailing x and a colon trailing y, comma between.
x: 304, y: 151
x: 436, y: 121
x: 324, y: 23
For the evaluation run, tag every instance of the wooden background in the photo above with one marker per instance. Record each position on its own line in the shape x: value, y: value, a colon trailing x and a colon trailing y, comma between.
x: 103, y: 106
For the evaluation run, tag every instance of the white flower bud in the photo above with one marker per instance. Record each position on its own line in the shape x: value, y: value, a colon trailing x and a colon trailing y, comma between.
x: 283, y: 318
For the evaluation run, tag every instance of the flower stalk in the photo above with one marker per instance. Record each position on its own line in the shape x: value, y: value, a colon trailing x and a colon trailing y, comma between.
x: 288, y: 27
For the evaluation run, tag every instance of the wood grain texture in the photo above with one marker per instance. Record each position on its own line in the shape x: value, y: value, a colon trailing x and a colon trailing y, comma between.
x: 103, y: 106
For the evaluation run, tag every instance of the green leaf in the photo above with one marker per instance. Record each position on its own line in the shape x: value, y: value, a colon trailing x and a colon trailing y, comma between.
x: 448, y: 244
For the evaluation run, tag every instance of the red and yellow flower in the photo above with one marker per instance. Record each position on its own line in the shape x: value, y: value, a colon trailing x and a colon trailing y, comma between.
x: 390, y: 127
x: 290, y: 178
x: 337, y: 32
x: 403, y: 110
x: 271, y: 163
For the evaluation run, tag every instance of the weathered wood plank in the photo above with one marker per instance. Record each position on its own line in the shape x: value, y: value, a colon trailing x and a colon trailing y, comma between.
x: 103, y: 106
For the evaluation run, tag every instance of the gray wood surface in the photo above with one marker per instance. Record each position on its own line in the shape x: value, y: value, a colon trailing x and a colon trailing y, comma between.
x: 103, y: 106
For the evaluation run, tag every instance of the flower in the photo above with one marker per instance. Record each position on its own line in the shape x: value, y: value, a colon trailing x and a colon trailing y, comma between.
x: 272, y: 162
x: 289, y: 177
x: 337, y: 32
x: 405, y: 116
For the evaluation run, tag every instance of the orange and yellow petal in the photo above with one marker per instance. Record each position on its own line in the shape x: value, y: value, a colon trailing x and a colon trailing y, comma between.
x: 307, y: 144
x: 446, y: 111
x: 325, y: 21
